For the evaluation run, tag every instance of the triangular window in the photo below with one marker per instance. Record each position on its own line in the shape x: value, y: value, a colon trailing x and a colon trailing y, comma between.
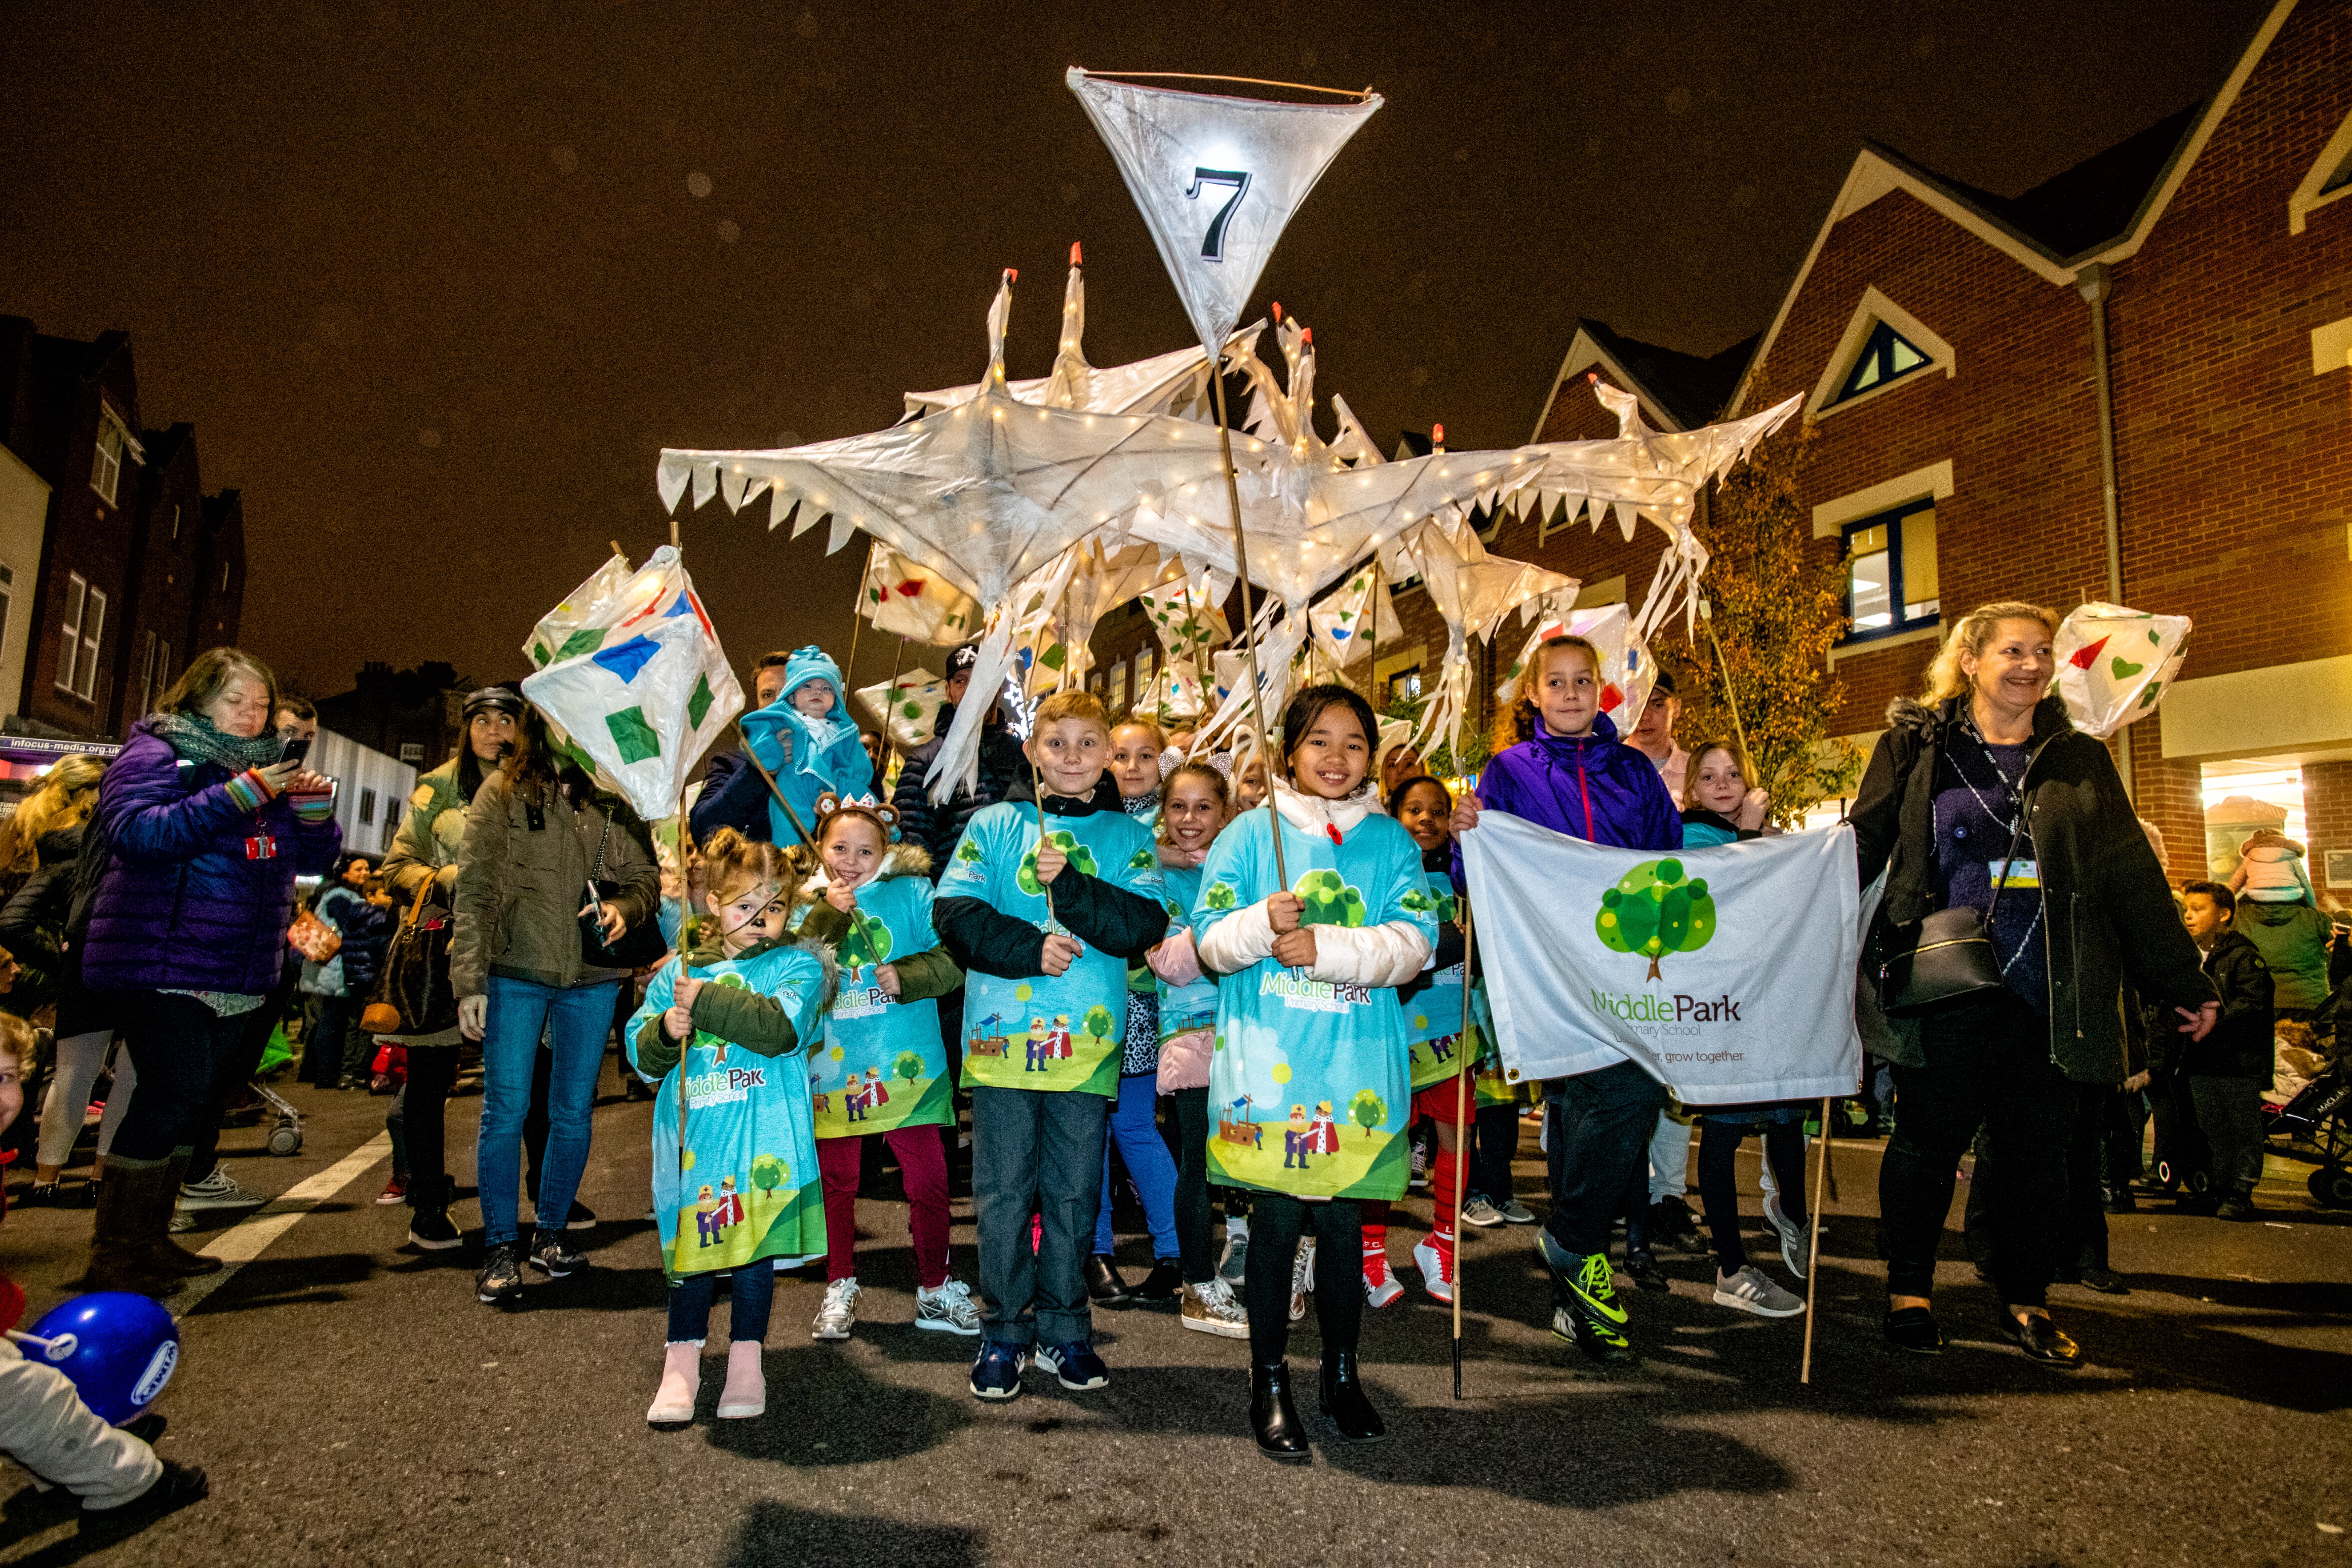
x: 2340, y: 179
x: 1886, y: 356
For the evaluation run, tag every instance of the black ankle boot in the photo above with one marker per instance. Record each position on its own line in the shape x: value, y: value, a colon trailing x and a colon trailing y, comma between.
x: 1271, y: 1415
x: 1344, y: 1400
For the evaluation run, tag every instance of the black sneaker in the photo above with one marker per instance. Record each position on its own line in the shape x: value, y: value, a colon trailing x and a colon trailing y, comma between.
x: 580, y: 1216
x: 175, y: 1489
x: 500, y: 1279
x: 1161, y: 1287
x: 431, y: 1229
x: 552, y: 1257
x: 1643, y: 1269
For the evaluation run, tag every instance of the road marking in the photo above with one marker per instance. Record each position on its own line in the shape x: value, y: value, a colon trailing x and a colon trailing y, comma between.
x: 250, y: 1237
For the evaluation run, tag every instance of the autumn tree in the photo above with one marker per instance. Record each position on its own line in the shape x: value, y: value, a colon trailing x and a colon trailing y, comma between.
x: 1778, y: 603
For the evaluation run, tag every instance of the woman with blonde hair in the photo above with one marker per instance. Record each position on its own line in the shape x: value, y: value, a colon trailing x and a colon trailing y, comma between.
x: 1984, y: 787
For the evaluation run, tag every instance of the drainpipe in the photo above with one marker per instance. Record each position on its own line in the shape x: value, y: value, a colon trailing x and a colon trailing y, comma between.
x: 2095, y: 282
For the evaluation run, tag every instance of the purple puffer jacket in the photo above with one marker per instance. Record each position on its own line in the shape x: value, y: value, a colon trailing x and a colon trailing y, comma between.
x: 1593, y: 787
x: 183, y: 903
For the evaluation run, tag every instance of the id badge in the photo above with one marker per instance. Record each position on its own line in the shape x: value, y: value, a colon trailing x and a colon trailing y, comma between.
x: 261, y: 847
x: 2022, y: 873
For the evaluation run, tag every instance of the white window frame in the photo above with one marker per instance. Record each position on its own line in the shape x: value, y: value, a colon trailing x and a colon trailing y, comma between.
x: 2312, y: 192
x: 7, y: 600
x: 70, y: 631
x: 147, y: 674
x: 93, y: 636
x: 1876, y: 307
x: 106, y: 467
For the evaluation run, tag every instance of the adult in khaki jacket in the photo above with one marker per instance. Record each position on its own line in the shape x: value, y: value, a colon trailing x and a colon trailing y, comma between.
x: 515, y: 964
x: 426, y: 850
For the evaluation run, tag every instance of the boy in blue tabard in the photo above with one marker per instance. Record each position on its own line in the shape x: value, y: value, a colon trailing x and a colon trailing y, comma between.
x: 807, y: 739
x: 1044, y: 932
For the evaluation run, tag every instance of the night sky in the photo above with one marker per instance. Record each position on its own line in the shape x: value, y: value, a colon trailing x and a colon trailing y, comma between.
x: 435, y: 282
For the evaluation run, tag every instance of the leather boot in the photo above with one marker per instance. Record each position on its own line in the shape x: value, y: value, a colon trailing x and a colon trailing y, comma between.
x: 1280, y: 1436
x: 162, y: 1254
x: 1345, y: 1402
x: 117, y: 1260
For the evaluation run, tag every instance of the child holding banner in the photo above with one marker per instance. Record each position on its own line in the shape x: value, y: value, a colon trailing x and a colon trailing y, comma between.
x: 882, y: 1034
x: 1568, y: 772
x: 1310, y: 1033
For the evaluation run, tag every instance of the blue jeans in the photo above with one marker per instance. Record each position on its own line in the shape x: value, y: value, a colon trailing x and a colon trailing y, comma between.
x: 1149, y: 1166
x: 520, y: 1010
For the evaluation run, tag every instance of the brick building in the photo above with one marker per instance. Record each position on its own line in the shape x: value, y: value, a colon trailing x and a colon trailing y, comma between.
x: 136, y: 569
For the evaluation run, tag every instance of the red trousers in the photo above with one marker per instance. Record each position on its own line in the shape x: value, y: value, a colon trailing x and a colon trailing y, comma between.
x: 923, y: 1162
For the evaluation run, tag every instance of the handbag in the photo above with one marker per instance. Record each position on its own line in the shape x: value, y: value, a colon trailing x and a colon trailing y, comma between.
x: 1947, y: 957
x: 412, y: 994
x: 640, y: 947
x: 313, y: 938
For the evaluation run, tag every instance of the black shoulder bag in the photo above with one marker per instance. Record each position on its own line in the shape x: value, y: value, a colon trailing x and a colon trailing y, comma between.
x: 1947, y: 957
x: 640, y: 947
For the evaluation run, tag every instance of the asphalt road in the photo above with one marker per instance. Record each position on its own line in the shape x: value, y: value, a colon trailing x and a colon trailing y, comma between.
x: 355, y: 1405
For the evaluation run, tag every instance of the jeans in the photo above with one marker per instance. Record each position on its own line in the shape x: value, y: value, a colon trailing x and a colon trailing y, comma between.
x: 750, y: 1293
x: 923, y: 1164
x: 176, y: 1043
x: 1035, y: 1152
x: 2230, y: 1114
x: 424, y: 1108
x: 1277, y: 1226
x: 1194, y: 1247
x: 1988, y: 1065
x: 1719, y: 1181
x: 1498, y: 1142
x: 1152, y: 1170
x: 78, y: 1058
x: 1600, y: 1125
x: 519, y: 1010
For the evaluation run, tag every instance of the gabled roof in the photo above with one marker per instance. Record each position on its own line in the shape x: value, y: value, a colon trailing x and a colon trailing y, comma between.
x: 1682, y: 391
x: 2100, y: 210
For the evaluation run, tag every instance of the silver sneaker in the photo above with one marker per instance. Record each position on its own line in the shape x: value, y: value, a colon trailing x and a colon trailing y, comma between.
x: 837, y: 1313
x: 1517, y: 1213
x: 218, y: 1191
x: 1302, y: 1280
x: 948, y: 1308
x: 1212, y: 1309
x: 1795, y: 1241
x: 1480, y: 1213
x: 1749, y: 1292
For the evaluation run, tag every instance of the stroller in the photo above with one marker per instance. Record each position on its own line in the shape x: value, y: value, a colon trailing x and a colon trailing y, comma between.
x: 2315, y: 1125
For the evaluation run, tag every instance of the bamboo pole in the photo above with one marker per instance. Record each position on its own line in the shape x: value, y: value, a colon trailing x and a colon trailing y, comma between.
x: 890, y: 707
x: 1249, y: 629
x: 1461, y: 1138
x: 857, y: 916
x: 857, y: 617
x: 1813, y: 1251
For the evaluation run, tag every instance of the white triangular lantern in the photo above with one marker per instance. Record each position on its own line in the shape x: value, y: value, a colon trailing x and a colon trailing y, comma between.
x: 1217, y: 179
x: 2115, y: 663
x: 1350, y: 622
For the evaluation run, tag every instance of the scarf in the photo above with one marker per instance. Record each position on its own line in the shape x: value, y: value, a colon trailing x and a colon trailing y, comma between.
x: 196, y: 739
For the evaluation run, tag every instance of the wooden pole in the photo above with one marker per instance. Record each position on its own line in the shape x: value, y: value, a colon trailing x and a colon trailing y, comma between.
x: 1813, y: 1251
x: 1249, y: 624
x: 857, y: 619
x: 890, y: 707
x: 857, y: 916
x: 1374, y: 680
x: 1461, y: 1138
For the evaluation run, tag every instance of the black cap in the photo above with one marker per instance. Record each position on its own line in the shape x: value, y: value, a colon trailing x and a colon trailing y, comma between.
x: 503, y: 700
x: 1665, y: 681
x: 961, y: 660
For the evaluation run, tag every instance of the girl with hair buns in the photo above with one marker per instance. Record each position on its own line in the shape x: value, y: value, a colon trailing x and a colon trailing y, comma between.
x: 732, y: 1147
x: 882, y: 1069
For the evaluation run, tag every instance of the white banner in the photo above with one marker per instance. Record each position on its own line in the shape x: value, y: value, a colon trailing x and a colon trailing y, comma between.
x: 1728, y: 974
x: 1217, y: 178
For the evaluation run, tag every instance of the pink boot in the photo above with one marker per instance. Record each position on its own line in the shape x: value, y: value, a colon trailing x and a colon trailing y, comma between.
x: 681, y: 1382
x: 746, y: 1394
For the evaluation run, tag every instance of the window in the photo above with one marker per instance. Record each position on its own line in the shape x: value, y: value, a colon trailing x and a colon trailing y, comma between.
x: 1118, y: 699
x: 1143, y: 668
x: 113, y: 441
x: 148, y: 689
x: 412, y: 752
x: 7, y: 594
x: 1891, y: 571
x: 1405, y: 686
x: 77, y: 638
x: 367, y: 808
x: 1887, y: 355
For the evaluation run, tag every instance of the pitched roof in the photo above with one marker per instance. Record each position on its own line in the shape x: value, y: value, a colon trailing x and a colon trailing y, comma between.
x: 1683, y: 391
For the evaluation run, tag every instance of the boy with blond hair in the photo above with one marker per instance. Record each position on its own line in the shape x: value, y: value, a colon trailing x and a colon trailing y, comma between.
x: 1046, y: 926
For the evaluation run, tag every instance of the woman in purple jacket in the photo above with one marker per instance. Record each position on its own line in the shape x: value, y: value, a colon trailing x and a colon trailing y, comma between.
x: 1570, y: 773
x: 202, y: 830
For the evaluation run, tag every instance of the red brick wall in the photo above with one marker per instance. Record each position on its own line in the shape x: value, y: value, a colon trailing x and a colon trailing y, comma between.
x: 2327, y: 819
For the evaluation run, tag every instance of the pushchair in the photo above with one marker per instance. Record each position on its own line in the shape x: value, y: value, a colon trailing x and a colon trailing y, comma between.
x: 2315, y: 1126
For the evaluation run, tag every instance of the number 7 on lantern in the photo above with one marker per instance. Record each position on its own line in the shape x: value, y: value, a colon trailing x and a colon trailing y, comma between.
x: 1212, y: 243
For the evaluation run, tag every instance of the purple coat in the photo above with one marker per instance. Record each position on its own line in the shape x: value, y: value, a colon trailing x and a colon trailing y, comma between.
x: 1593, y: 787
x: 186, y: 902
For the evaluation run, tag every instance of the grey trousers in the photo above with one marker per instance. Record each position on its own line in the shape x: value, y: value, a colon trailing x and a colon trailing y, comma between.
x: 2230, y: 1114
x: 1041, y: 1153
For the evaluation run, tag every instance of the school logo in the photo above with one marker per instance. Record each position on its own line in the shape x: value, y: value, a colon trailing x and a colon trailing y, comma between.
x: 1653, y: 911
x: 1081, y: 860
x: 1329, y: 901
x: 868, y: 942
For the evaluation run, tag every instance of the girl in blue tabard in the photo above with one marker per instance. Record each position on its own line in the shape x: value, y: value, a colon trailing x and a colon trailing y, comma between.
x: 883, y: 1069
x: 735, y: 1167
x: 1195, y: 804
x: 1310, y: 1075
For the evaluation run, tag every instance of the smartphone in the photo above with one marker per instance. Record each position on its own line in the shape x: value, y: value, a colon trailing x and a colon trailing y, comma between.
x: 297, y: 749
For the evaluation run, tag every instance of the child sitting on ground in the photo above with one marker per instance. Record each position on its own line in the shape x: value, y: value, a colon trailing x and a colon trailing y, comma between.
x: 731, y: 1140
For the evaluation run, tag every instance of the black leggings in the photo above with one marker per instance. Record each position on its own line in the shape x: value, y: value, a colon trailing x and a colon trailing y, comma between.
x: 1278, y: 1221
x: 432, y: 1071
x: 1193, y: 1247
x: 1719, y: 1181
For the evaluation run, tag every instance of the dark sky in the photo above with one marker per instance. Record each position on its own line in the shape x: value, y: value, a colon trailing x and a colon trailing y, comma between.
x: 434, y: 282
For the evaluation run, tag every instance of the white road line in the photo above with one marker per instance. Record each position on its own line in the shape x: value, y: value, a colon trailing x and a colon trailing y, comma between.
x: 251, y: 1236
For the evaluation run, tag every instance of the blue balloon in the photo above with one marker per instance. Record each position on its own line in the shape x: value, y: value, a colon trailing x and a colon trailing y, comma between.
x: 117, y: 1349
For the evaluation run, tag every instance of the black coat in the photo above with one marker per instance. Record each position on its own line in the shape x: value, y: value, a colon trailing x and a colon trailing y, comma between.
x: 33, y: 923
x: 938, y: 828
x: 2106, y: 912
x: 1107, y: 919
x: 733, y: 795
x: 2240, y: 1045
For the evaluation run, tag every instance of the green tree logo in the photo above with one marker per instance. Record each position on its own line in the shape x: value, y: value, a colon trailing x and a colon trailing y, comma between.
x: 1368, y: 1110
x: 1143, y: 859
x: 909, y: 1066
x: 767, y: 1172
x: 868, y: 942
x: 969, y: 853
x: 1081, y: 859
x: 1329, y: 901
x: 1652, y: 913
x: 1097, y: 1023
x: 1220, y: 896
x: 1421, y: 900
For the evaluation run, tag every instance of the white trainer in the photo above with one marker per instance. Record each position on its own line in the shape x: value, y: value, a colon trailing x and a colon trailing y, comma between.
x: 1380, y: 1286
x: 218, y: 1191
x: 948, y: 1308
x: 1434, y: 1276
x: 1480, y: 1213
x: 837, y: 1313
x: 1795, y: 1239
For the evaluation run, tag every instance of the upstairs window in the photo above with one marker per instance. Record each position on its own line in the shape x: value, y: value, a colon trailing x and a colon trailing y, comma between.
x: 113, y: 441
x: 78, y: 636
x: 1890, y: 562
x: 1888, y: 354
